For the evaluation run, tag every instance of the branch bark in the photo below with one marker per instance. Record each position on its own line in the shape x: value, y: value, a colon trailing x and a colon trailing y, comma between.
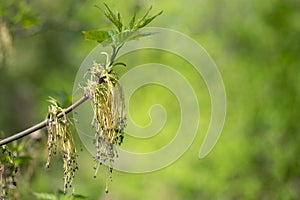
x: 42, y: 124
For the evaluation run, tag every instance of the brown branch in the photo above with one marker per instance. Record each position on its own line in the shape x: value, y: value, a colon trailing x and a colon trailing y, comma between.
x: 42, y: 124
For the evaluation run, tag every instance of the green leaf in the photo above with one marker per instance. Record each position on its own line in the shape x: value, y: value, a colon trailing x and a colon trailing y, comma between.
x: 132, y: 22
x: 119, y: 17
x: 125, y: 36
x: 135, y: 35
x: 116, y: 20
x: 146, y: 21
x: 146, y: 14
x: 97, y: 35
x: 110, y: 40
x: 109, y: 12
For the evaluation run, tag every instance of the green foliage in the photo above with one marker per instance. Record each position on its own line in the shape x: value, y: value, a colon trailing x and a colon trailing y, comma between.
x: 116, y: 19
x: 123, y: 33
x: 18, y: 13
x: 144, y: 21
x: 97, y: 35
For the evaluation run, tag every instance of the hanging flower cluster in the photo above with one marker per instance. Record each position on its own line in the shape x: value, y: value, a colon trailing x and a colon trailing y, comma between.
x: 61, y: 140
x: 8, y: 170
x: 109, y: 118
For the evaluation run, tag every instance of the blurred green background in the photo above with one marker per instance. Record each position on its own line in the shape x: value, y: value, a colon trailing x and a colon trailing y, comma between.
x: 255, y: 45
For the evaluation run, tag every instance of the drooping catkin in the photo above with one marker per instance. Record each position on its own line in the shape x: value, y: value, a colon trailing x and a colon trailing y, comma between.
x: 109, y: 119
x: 60, y: 140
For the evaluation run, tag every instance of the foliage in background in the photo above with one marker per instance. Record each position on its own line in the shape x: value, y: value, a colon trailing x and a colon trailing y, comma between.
x: 254, y: 44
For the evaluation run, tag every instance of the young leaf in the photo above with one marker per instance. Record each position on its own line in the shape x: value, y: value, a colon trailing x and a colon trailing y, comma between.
x: 111, y: 39
x: 132, y: 22
x: 140, y: 35
x: 116, y: 20
x: 125, y: 36
x: 120, y: 19
x: 97, y: 35
x: 146, y: 14
x: 146, y: 21
x: 109, y: 12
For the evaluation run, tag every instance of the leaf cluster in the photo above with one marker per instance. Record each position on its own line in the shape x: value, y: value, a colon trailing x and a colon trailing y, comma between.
x: 130, y: 30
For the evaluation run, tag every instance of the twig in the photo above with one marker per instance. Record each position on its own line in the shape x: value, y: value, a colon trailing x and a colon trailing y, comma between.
x: 41, y: 124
